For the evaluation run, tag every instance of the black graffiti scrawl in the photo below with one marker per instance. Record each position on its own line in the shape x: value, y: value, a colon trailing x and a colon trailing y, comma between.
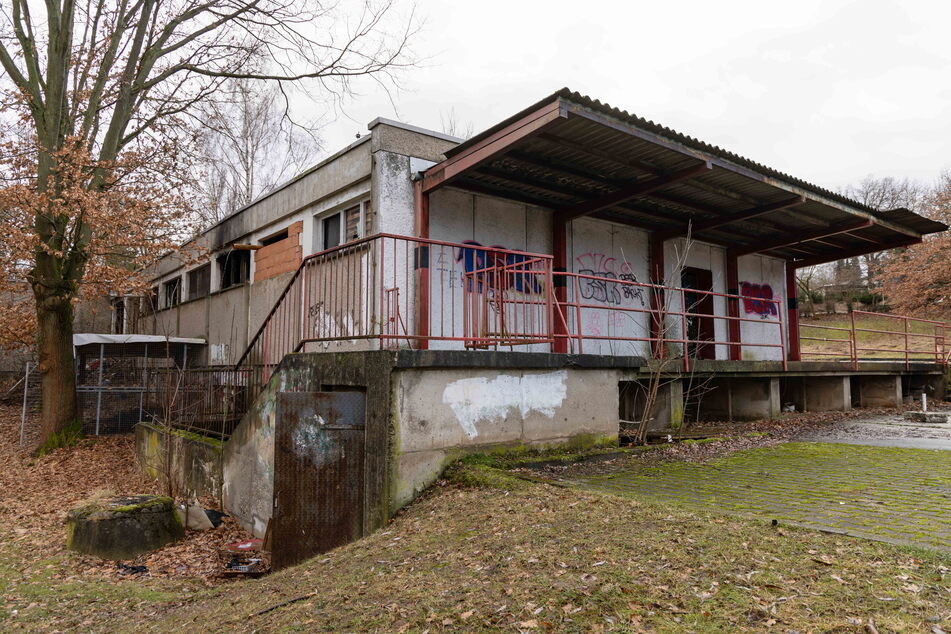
x: 607, y: 290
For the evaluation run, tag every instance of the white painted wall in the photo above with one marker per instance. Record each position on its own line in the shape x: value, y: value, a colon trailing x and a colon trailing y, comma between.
x: 458, y: 216
x: 761, y: 274
x: 606, y: 249
x: 611, y: 251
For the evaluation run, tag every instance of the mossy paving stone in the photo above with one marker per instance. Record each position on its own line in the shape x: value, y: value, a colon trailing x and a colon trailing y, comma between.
x: 890, y: 494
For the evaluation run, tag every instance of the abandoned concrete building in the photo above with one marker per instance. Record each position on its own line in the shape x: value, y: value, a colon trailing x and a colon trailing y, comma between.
x: 415, y: 296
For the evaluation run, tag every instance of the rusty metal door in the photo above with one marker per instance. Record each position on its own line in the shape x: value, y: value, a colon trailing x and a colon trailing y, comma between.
x: 318, y: 473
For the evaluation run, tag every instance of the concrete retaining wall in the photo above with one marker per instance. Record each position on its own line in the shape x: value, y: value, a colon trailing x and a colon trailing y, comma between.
x: 195, y: 460
x: 423, y: 410
x: 441, y: 413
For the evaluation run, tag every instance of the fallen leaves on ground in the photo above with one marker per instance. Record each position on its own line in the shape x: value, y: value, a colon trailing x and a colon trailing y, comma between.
x: 38, y: 492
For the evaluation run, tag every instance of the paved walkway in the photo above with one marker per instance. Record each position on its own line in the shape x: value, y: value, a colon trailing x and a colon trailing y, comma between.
x: 885, y: 493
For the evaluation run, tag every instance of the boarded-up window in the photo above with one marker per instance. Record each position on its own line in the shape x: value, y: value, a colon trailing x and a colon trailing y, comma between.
x: 353, y: 223
x: 199, y: 282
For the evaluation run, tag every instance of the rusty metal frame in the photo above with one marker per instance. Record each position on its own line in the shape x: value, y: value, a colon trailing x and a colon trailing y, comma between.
x: 788, y: 241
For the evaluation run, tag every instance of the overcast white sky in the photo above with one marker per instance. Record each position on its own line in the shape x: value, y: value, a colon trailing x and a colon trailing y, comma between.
x: 827, y: 90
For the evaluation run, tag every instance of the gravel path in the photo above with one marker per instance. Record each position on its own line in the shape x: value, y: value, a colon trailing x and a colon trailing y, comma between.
x: 888, y: 430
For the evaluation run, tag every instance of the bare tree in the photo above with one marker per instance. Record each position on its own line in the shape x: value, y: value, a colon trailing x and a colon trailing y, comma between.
x: 885, y: 194
x: 453, y: 126
x: 100, y: 97
x: 248, y: 147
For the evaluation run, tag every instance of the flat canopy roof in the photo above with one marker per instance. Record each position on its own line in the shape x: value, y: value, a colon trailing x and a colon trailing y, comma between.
x: 83, y: 339
x: 580, y: 157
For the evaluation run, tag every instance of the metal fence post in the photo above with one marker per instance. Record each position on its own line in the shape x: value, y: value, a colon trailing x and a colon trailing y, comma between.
x: 102, y: 355
x: 26, y: 394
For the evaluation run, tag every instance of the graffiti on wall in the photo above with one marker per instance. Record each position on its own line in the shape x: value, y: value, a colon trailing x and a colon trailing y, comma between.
x: 753, y: 299
x: 481, y: 265
x: 604, y: 290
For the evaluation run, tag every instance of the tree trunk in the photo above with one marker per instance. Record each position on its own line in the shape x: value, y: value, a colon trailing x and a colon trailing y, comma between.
x: 54, y: 342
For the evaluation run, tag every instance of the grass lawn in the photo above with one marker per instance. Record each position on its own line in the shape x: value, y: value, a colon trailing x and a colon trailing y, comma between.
x: 531, y: 556
x: 485, y: 551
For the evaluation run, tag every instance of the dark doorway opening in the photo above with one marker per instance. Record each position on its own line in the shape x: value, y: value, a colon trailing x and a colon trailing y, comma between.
x: 700, y: 327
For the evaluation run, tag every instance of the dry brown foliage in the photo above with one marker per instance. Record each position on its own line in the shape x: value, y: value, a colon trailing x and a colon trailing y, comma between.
x: 917, y: 280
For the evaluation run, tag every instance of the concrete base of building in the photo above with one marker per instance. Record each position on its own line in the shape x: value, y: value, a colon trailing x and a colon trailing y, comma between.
x: 425, y: 409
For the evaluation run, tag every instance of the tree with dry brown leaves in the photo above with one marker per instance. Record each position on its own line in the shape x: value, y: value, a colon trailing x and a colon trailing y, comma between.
x: 917, y: 279
x: 99, y: 98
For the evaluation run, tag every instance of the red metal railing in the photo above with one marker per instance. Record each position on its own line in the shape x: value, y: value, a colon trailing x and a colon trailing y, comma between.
x: 910, y: 339
x: 380, y: 291
x: 388, y: 291
x: 673, y: 311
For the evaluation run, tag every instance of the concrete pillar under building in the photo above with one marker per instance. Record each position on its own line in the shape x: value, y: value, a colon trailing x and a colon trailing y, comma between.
x: 818, y: 393
x: 877, y: 391
x: 746, y: 398
x: 667, y: 412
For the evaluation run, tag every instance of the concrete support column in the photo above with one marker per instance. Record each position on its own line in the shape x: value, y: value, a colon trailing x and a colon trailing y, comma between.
x: 818, y: 394
x: 877, y: 391
x: 740, y: 399
x: 421, y: 200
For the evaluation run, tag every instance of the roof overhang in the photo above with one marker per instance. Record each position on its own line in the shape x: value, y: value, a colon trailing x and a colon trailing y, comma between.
x: 579, y: 157
x: 84, y: 339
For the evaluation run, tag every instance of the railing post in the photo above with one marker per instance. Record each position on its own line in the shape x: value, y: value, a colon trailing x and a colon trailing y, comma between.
x: 657, y: 325
x: 421, y: 257
x: 907, y: 364
x: 792, y: 306
x: 559, y: 288
x: 855, y: 343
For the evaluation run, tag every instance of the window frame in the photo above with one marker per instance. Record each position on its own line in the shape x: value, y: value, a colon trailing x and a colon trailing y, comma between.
x: 192, y: 274
x: 175, y: 284
x: 320, y: 239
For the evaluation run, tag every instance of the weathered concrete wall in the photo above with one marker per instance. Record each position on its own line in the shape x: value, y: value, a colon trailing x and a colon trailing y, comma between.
x: 248, y: 465
x: 248, y: 490
x: 194, y: 460
x: 739, y: 398
x: 440, y: 412
x: 818, y: 393
x: 423, y: 409
x: 877, y: 391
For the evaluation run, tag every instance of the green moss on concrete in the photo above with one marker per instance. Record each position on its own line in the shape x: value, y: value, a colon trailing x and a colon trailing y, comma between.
x: 153, y: 502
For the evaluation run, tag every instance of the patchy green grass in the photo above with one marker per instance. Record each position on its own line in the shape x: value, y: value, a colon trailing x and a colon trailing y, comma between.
x: 49, y: 596
x: 539, y: 557
x: 68, y: 436
x: 489, y: 551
